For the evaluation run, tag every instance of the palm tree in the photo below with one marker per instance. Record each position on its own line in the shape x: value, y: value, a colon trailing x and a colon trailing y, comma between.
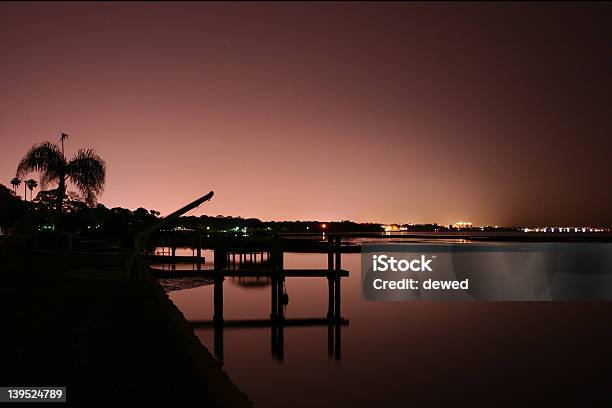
x: 63, y: 136
x: 15, y: 182
x: 32, y: 184
x: 86, y: 171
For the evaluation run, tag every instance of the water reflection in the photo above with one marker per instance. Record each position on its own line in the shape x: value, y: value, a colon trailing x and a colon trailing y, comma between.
x: 251, y: 281
x: 476, y: 350
x: 279, y: 298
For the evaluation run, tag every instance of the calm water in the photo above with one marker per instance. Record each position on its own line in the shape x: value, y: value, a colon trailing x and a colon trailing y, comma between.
x: 402, y: 352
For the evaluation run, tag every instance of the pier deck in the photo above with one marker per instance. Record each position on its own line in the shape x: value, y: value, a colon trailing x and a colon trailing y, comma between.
x: 284, y: 273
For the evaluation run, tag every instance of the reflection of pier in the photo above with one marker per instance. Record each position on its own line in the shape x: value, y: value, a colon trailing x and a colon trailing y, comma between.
x: 273, y: 262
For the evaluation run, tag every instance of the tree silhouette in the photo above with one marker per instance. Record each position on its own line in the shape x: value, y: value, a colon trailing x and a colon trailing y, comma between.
x: 32, y: 184
x: 15, y: 182
x: 86, y: 171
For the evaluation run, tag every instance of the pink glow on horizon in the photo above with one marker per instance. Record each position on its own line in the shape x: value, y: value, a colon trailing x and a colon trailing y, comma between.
x: 385, y: 113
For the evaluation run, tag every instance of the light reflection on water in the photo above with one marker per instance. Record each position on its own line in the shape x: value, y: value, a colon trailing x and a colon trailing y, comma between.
x: 395, y: 353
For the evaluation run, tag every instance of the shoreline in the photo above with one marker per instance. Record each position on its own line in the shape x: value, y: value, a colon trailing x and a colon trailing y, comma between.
x: 222, y: 390
x: 107, y: 339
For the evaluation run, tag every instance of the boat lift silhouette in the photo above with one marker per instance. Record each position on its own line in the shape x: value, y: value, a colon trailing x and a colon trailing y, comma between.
x: 225, y: 266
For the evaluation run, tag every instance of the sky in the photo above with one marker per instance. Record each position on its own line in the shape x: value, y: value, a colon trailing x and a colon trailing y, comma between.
x: 497, y: 114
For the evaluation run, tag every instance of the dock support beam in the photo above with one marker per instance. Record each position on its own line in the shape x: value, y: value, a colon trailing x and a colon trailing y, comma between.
x: 334, y: 268
x: 218, y: 295
x: 199, y: 251
x: 218, y: 300
x: 218, y: 318
x: 274, y: 305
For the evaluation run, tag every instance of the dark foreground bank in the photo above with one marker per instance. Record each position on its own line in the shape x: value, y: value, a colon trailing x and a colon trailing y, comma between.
x: 106, y: 340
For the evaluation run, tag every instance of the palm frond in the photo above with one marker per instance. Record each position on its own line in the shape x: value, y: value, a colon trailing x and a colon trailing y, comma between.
x: 45, y: 158
x: 31, y: 183
x: 87, y: 171
x: 46, y: 179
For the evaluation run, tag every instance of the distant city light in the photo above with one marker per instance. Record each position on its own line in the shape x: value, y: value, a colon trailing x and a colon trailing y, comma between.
x: 567, y: 229
x: 395, y: 227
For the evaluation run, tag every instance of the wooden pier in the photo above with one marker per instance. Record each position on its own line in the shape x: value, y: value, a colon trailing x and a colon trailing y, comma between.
x: 238, y: 250
x: 243, y: 259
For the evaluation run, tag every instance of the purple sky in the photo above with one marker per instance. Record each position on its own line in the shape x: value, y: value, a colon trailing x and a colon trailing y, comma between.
x: 494, y: 114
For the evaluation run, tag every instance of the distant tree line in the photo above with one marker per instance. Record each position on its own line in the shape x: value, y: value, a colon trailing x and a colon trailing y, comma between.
x: 38, y: 216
